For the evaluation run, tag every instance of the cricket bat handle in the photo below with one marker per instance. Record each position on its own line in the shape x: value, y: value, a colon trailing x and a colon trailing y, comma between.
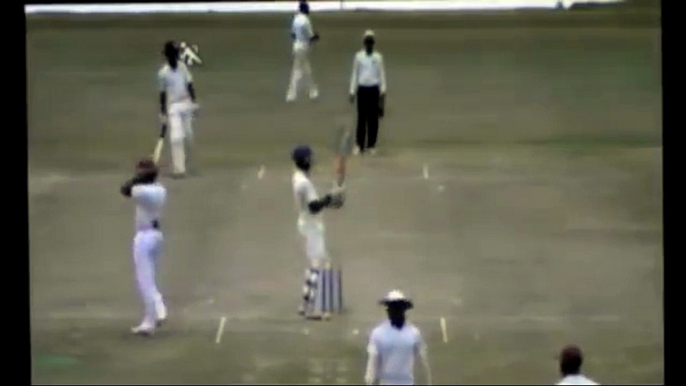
x: 160, y: 144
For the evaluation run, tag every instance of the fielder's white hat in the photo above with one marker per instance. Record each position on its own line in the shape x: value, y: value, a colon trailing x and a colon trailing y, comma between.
x: 396, y: 296
x: 368, y: 34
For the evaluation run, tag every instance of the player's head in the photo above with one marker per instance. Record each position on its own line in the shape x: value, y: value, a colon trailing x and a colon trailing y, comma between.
x: 302, y: 157
x: 146, y: 170
x: 571, y: 360
x: 369, y: 39
x: 171, y: 51
x: 303, y: 7
x: 396, y: 306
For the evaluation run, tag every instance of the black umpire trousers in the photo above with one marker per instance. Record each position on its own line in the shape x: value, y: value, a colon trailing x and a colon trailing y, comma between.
x: 367, y: 116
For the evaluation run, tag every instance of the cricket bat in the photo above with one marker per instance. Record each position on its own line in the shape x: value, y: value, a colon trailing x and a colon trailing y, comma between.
x: 160, y: 143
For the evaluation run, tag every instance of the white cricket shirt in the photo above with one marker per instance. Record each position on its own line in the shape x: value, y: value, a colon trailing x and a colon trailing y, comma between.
x: 149, y: 200
x: 302, y: 29
x: 368, y: 70
x: 304, y: 193
x: 175, y: 82
x: 576, y: 380
x: 396, y: 351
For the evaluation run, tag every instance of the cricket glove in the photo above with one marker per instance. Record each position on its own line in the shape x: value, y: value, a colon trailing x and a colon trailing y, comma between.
x: 337, y: 197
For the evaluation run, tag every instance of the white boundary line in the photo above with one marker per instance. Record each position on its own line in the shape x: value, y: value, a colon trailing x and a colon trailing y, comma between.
x: 317, y: 6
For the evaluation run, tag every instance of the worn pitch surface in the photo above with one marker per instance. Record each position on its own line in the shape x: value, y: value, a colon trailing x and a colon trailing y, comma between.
x: 517, y: 195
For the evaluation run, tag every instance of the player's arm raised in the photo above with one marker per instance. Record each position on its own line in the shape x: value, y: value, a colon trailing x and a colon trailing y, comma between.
x: 314, y: 205
x: 127, y: 188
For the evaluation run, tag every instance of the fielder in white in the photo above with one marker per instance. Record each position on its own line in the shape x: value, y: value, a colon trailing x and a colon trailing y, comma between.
x: 571, y: 359
x: 394, y: 345
x: 303, y: 37
x: 310, y: 223
x: 177, y: 104
x: 149, y: 197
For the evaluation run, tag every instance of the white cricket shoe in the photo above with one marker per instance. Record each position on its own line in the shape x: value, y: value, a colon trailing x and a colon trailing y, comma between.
x: 143, y: 330
x: 161, y: 312
x: 290, y: 98
x: 314, y: 94
x: 356, y: 150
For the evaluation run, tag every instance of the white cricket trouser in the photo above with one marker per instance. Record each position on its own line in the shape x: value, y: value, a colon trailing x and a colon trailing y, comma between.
x: 147, y: 249
x: 180, y: 132
x: 315, y: 248
x: 301, y: 74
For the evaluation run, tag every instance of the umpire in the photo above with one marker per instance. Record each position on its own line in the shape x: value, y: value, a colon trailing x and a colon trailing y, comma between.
x: 368, y: 84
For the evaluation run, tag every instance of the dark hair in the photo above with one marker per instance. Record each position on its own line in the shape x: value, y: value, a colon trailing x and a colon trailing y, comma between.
x: 571, y: 360
x: 147, y: 170
x: 304, y: 7
x: 171, y: 50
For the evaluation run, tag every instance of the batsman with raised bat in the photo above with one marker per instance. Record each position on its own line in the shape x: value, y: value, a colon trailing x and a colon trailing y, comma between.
x: 177, y: 107
x: 149, y: 197
x: 311, y: 226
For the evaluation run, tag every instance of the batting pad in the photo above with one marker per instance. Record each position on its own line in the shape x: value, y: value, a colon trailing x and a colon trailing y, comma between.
x: 328, y: 297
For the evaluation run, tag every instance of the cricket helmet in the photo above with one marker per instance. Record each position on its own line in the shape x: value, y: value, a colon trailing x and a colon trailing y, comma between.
x: 302, y: 155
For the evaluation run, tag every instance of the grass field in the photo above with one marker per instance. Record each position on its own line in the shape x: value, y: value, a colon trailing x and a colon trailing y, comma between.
x: 517, y: 194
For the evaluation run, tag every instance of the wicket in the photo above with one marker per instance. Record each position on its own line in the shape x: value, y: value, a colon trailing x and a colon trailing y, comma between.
x: 328, y: 294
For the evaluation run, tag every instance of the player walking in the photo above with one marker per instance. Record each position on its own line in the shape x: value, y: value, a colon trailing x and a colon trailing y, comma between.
x: 310, y: 224
x: 303, y: 37
x: 394, y: 345
x: 149, y: 197
x: 177, y: 104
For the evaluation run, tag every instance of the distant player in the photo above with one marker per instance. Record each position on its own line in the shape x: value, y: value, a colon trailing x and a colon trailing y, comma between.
x: 149, y: 196
x: 368, y: 86
x: 177, y: 104
x: 571, y: 360
x: 394, y: 345
x: 310, y: 223
x: 303, y: 37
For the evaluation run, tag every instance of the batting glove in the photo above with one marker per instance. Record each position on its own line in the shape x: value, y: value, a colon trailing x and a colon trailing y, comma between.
x: 337, y: 197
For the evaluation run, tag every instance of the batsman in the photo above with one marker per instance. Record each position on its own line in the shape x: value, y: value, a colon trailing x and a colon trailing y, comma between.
x: 177, y: 106
x: 311, y: 228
